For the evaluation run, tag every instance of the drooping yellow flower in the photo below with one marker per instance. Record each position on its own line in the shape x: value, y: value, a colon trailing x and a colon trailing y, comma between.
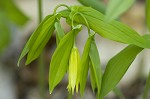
x: 74, y: 70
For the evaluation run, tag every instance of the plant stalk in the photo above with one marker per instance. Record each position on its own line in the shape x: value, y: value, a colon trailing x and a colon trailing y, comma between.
x: 147, y: 87
x: 41, y: 69
x: 39, y: 11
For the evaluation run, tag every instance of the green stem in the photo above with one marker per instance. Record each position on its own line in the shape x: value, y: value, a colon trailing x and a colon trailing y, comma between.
x: 55, y: 10
x: 41, y: 69
x: 118, y: 92
x: 40, y: 10
x: 147, y: 87
x: 69, y: 96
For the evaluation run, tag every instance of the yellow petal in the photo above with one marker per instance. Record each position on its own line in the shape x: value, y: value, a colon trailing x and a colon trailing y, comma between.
x: 73, y: 69
x: 78, y: 71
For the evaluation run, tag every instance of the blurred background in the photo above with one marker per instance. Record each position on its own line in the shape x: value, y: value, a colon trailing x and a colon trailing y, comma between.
x: 19, y: 18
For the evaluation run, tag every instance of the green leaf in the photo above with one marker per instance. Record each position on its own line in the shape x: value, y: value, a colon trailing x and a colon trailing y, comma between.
x: 147, y: 87
x: 147, y: 38
x: 35, y: 35
x: 59, y: 32
x: 148, y: 13
x: 60, y: 59
x: 96, y: 72
x: 85, y: 64
x: 117, y: 7
x: 64, y: 13
x: 113, y: 30
x: 13, y: 12
x: 58, y: 65
x: 117, y: 67
x: 44, y: 35
x: 92, y: 77
x: 96, y: 4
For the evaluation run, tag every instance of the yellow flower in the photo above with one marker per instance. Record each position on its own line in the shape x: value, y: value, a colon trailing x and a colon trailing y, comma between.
x: 74, y: 70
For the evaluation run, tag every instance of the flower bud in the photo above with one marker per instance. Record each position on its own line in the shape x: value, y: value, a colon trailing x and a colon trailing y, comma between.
x: 74, y: 70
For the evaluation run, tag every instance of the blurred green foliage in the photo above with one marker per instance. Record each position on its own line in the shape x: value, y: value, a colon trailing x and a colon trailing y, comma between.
x: 4, y: 32
x: 9, y: 14
x: 12, y: 12
x: 95, y: 4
